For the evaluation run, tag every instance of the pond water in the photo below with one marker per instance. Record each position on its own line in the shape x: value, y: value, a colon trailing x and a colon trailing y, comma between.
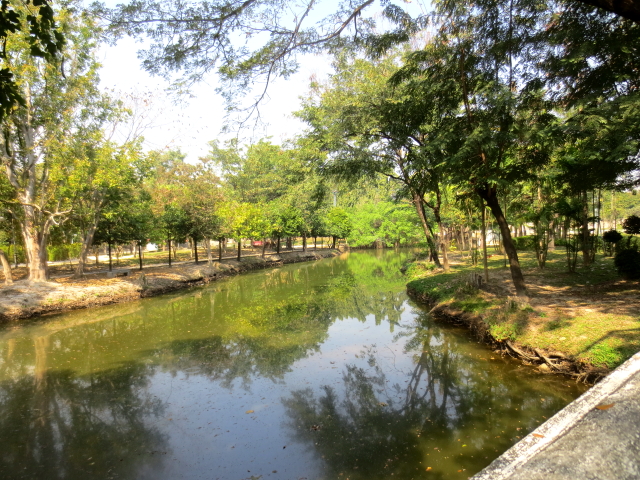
x: 319, y: 370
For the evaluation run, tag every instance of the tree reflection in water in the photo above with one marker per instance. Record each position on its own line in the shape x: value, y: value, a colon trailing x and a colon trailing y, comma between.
x: 449, y: 413
x: 57, y: 425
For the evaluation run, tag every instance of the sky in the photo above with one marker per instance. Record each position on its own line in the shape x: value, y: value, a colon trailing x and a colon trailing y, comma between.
x: 193, y: 122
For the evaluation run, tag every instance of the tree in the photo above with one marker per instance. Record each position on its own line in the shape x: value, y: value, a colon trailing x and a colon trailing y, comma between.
x: 482, y: 56
x: 370, y: 128
x: 103, y: 174
x: 245, y: 220
x: 338, y: 224
x: 59, y: 106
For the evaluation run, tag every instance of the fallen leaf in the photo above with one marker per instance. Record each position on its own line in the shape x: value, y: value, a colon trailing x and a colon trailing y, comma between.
x: 249, y: 411
x: 537, y: 435
x: 605, y: 407
x: 428, y: 468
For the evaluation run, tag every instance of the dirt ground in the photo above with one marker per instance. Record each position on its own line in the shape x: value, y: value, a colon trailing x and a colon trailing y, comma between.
x: 24, y: 299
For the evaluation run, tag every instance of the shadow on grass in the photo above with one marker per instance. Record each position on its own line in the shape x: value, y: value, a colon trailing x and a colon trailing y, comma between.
x: 612, y: 348
x: 557, y: 323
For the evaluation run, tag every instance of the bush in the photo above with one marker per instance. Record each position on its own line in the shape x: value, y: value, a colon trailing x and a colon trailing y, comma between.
x: 612, y: 236
x: 627, y: 263
x: 631, y: 225
x: 8, y: 250
x: 560, y: 242
x: 528, y: 242
x: 60, y: 253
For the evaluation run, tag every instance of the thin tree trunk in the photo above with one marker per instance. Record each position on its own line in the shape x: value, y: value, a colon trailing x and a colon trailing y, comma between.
x: 169, y: 245
x: 586, y: 250
x: 304, y: 243
x: 207, y: 247
x: 109, y: 247
x: 239, y: 249
x: 195, y: 248
x: 220, y: 240
x: 140, y: 254
x: 278, y: 246
x: 87, y: 242
x: 484, y: 246
x: 6, y: 267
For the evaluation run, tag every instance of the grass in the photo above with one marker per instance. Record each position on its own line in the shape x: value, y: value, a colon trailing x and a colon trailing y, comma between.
x: 590, y: 315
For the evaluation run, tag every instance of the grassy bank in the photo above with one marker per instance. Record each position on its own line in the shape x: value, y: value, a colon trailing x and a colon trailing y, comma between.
x: 591, y: 316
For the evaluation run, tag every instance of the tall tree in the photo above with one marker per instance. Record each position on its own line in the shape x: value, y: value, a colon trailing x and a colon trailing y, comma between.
x: 60, y: 102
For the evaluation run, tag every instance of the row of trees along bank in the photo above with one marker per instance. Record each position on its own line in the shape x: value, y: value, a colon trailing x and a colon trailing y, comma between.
x: 497, y: 107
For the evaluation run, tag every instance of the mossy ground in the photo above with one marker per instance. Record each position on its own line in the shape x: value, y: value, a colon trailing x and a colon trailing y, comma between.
x: 591, y: 315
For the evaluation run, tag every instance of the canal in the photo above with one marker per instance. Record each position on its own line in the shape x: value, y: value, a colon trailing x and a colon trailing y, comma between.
x: 322, y: 370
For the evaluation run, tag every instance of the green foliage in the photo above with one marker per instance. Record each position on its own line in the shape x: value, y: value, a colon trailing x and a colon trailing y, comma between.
x: 390, y: 223
x: 419, y: 268
x: 59, y: 253
x: 525, y: 243
x: 35, y: 19
x: 627, y: 263
x: 338, y: 223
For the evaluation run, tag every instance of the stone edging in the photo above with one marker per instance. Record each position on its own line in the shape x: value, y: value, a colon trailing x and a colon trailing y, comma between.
x: 534, y: 443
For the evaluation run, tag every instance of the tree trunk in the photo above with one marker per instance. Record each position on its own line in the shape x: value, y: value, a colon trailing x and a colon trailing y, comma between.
x: 239, y: 249
x: 36, y: 253
x: 109, y: 247
x: 220, y: 240
x: 6, y: 267
x: 169, y: 245
x: 304, y: 243
x: 586, y: 241
x: 87, y: 242
x: 489, y: 194
x: 264, y: 246
x: 278, y: 245
x: 485, y: 260
x: 195, y: 248
x: 417, y: 202
x: 140, y: 254
x: 207, y: 248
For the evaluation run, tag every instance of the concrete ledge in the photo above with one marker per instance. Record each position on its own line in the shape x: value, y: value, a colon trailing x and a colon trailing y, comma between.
x: 582, y: 441
x: 121, y: 272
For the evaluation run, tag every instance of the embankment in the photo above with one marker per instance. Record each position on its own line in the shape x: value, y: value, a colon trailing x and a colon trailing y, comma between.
x: 546, y: 360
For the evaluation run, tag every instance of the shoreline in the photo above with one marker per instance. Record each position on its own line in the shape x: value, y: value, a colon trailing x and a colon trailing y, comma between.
x: 24, y: 300
x: 547, y: 361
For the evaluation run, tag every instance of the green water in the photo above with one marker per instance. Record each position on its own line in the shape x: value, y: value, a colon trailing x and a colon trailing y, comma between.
x: 312, y: 371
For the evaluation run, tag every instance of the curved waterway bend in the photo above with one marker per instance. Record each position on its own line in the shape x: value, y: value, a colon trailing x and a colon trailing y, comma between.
x: 311, y: 371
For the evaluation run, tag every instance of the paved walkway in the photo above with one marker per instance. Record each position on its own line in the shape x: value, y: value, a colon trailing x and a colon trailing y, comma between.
x: 595, y: 437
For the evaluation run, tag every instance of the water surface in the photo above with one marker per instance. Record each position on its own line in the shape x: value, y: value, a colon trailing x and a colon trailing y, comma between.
x: 311, y: 371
